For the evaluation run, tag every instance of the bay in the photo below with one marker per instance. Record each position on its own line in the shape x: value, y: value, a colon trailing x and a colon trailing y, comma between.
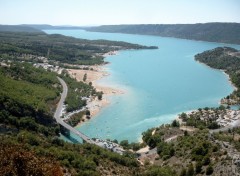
x: 158, y: 84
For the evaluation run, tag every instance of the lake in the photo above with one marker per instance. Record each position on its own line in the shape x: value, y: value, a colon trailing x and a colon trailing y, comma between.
x: 158, y: 84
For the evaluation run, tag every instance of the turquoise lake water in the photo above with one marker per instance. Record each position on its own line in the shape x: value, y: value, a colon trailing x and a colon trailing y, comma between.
x: 158, y: 84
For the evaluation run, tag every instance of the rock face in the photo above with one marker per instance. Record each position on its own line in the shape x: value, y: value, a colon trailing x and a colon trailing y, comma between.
x: 231, y: 161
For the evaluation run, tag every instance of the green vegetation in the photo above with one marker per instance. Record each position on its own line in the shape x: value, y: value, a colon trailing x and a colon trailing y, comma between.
x: 203, y: 118
x: 77, y: 93
x: 85, y: 77
x: 17, y: 160
x: 213, y: 32
x: 28, y: 98
x: 149, y: 139
x: 76, y: 118
x: 189, y: 153
x: 209, y: 170
x: 29, y: 134
x: 192, y: 147
x: 227, y: 59
x: 77, y: 159
x: 28, y: 103
x: 134, y: 145
x: 230, y: 136
x: 26, y: 72
x: 18, y: 28
x: 44, y: 86
x: 58, y: 48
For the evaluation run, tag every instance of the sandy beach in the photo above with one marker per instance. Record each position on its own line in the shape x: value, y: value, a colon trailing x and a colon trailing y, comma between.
x: 93, y: 74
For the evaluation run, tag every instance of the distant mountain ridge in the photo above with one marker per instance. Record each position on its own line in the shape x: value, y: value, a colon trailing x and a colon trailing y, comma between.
x: 51, y: 27
x: 212, y: 32
x: 19, y: 28
x: 35, y: 28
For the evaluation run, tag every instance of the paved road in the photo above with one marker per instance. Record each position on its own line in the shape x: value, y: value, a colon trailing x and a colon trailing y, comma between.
x: 58, y: 113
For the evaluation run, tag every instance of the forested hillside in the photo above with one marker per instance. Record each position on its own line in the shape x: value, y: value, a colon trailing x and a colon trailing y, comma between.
x: 58, y: 48
x: 30, y: 135
x: 213, y: 32
x: 227, y: 59
x: 19, y: 28
x: 28, y: 98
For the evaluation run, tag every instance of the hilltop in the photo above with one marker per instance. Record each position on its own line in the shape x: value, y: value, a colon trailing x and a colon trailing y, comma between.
x: 212, y: 32
x: 19, y: 28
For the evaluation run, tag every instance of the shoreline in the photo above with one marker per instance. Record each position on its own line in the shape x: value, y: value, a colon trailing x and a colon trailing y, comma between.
x: 94, y: 74
x: 221, y: 101
x: 221, y: 70
x: 97, y: 72
x: 228, y: 78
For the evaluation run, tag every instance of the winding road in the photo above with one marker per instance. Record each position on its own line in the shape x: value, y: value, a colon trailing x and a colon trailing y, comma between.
x: 58, y: 112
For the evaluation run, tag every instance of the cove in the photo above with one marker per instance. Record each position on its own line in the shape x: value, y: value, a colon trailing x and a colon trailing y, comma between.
x: 158, y: 84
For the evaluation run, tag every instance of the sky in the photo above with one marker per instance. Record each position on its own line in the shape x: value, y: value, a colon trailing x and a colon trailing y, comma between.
x: 100, y: 12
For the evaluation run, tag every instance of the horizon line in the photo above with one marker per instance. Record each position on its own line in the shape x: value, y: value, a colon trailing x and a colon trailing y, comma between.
x: 91, y: 25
